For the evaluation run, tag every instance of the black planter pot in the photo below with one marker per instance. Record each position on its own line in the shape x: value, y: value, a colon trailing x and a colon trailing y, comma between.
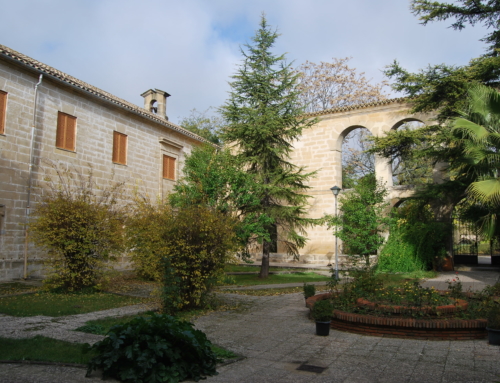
x: 493, y: 336
x: 323, y: 328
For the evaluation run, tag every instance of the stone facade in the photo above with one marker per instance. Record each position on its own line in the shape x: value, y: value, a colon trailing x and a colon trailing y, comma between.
x: 320, y: 149
x: 149, y: 136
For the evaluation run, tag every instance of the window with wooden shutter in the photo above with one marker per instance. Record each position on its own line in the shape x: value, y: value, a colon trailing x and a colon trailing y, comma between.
x: 66, y: 132
x: 168, y: 167
x: 3, y: 110
x: 119, y: 148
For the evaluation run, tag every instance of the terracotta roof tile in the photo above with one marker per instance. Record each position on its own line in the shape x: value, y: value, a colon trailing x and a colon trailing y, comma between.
x: 358, y: 106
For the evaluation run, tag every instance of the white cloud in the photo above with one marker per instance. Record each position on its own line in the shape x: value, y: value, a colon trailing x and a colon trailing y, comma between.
x: 191, y: 48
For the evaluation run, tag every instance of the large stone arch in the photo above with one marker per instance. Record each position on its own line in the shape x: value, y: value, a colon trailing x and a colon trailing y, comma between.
x: 320, y: 149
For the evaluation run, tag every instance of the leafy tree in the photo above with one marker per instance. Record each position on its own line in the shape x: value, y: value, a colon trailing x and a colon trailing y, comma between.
x: 80, y: 226
x: 264, y: 119
x: 217, y: 178
x: 205, y: 126
x: 334, y: 85
x: 361, y: 219
x: 486, y: 12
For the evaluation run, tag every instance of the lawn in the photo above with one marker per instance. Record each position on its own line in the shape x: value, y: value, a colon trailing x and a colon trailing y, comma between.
x: 16, y: 288
x: 253, y: 269
x: 45, y: 349
x: 56, y: 305
x: 249, y: 280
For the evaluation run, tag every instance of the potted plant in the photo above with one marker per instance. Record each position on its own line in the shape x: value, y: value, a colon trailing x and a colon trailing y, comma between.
x: 322, y: 313
x: 309, y: 291
x: 493, y: 327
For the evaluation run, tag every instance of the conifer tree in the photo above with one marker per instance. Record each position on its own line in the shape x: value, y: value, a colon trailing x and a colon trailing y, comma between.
x: 264, y: 119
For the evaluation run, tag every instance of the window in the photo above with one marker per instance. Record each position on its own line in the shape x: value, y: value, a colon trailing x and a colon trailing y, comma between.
x: 3, y: 110
x: 168, y: 167
x: 66, y: 132
x: 119, y: 148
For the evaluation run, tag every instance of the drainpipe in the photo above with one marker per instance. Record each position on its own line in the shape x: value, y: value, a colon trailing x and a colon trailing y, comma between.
x: 28, y: 199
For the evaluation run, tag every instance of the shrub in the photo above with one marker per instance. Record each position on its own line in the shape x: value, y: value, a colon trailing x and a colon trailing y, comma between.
x: 494, y: 317
x: 145, y: 231
x: 155, y: 349
x: 323, y: 310
x: 309, y: 290
x: 79, y: 225
x: 416, y: 240
x: 199, y: 242
x: 186, y: 248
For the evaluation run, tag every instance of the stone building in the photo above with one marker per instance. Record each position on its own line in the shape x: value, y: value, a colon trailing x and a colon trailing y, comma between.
x: 47, y: 114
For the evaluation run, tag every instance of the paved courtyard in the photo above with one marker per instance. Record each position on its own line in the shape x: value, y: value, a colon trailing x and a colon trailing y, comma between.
x: 279, y: 344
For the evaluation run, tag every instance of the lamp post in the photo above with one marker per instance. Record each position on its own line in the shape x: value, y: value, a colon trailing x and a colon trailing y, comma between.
x: 336, y: 190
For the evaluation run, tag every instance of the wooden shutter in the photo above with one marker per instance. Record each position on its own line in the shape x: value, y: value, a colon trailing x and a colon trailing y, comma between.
x: 120, y: 148
x: 66, y: 131
x: 3, y: 110
x: 168, y: 167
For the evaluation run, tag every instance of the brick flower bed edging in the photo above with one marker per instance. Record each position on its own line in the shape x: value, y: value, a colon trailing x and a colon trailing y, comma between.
x: 460, y: 305
x: 397, y: 327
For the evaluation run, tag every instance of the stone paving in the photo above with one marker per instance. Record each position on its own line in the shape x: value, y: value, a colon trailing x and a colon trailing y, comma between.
x: 279, y: 344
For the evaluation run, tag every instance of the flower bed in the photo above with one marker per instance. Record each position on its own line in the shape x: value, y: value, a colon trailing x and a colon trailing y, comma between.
x: 399, y: 327
x: 445, y: 310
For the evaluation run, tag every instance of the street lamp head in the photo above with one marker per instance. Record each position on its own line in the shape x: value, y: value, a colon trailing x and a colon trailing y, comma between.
x: 335, y: 190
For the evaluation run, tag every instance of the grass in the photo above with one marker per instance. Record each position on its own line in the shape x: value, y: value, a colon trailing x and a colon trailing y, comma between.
x: 56, y: 305
x: 252, y: 269
x: 16, y: 288
x: 43, y: 349
x: 273, y: 292
x: 249, y: 280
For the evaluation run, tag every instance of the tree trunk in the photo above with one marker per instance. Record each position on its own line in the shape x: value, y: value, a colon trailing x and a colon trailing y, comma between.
x: 264, y: 268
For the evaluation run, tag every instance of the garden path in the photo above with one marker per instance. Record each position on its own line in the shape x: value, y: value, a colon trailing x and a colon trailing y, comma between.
x: 279, y: 344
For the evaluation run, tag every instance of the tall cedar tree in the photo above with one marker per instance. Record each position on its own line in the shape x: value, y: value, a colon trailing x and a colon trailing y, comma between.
x: 264, y: 118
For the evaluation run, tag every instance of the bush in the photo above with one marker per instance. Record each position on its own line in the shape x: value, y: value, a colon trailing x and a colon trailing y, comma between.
x: 323, y: 310
x: 416, y: 240
x: 199, y: 242
x: 155, y: 349
x: 309, y: 290
x: 145, y: 231
x: 186, y: 248
x: 79, y: 227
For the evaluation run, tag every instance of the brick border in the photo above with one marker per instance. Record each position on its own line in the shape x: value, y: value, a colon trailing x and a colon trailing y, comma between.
x: 397, y: 327
x: 460, y: 305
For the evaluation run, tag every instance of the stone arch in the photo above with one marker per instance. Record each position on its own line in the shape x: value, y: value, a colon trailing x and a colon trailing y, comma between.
x: 398, y: 124
x: 320, y: 149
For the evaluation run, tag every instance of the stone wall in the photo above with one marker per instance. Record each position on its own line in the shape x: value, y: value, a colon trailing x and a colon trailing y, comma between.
x: 97, y: 118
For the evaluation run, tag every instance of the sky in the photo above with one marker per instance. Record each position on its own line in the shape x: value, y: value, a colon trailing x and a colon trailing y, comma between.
x: 191, y: 48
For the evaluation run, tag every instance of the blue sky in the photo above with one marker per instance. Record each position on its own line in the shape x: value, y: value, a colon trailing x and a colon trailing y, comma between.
x: 190, y: 48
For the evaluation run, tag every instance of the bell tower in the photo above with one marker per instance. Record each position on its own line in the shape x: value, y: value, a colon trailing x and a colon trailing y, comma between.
x: 155, y: 101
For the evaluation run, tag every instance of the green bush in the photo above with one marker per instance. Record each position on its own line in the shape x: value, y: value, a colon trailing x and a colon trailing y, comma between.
x: 323, y: 310
x: 79, y: 225
x: 199, y: 242
x: 155, y: 349
x: 416, y: 240
x: 309, y: 290
x: 185, y: 248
